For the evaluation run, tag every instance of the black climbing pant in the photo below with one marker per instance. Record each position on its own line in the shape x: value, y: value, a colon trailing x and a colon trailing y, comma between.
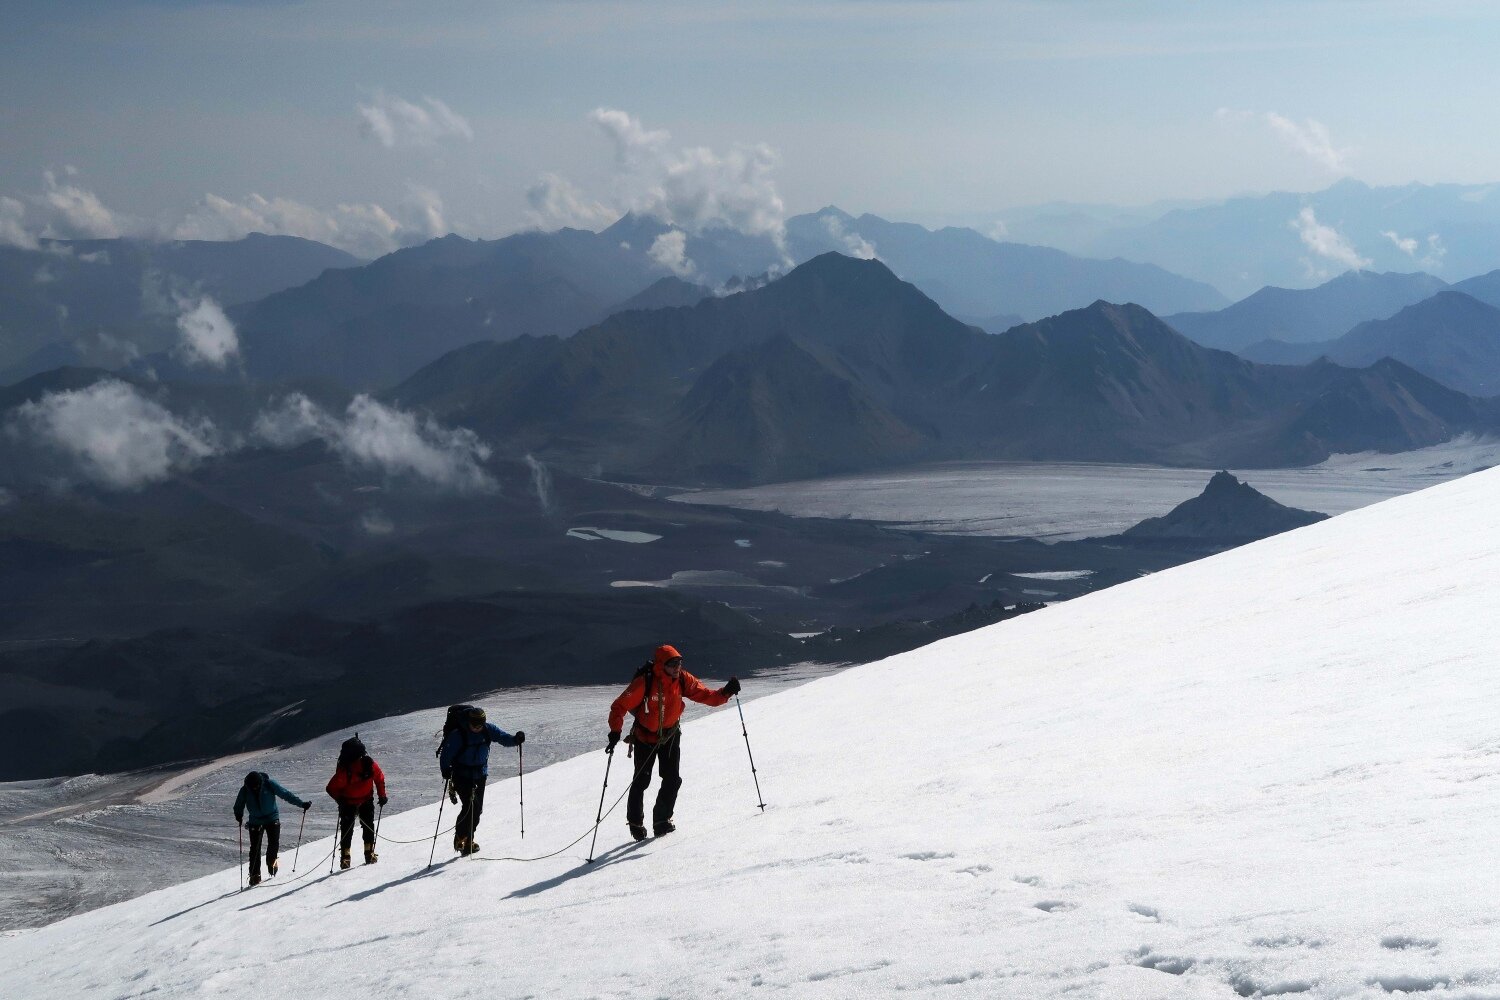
x: 668, y: 758
x: 347, y: 812
x: 272, y: 834
x: 470, y: 791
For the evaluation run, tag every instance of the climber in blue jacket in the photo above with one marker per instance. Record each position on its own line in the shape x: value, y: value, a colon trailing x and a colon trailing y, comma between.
x: 257, y: 799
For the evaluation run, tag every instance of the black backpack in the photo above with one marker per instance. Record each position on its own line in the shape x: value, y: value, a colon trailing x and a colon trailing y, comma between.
x: 457, y: 718
x: 352, y: 750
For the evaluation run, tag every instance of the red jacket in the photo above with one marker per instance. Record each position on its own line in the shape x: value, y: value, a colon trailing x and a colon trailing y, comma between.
x: 663, y: 709
x: 351, y: 786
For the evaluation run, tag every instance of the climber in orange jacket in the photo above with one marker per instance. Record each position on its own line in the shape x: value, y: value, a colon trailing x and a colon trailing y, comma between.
x: 654, y: 697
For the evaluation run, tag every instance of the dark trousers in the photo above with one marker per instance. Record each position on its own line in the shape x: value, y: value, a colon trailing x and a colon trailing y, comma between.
x: 272, y: 834
x: 667, y: 754
x: 470, y: 789
x: 366, y: 812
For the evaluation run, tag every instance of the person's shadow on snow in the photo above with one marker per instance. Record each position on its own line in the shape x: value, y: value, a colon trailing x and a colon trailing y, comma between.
x: 613, y: 856
x: 420, y: 873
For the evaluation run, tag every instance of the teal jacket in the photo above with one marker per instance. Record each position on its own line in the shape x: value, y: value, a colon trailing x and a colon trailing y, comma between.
x: 261, y: 805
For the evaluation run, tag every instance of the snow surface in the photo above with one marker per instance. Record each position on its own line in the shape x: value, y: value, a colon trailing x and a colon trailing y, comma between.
x: 614, y: 535
x: 1272, y: 771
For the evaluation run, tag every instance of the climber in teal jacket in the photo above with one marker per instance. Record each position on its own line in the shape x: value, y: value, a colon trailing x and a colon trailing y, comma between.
x: 257, y: 799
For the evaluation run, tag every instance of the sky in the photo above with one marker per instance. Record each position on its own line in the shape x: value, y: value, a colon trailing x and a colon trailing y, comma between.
x: 375, y: 123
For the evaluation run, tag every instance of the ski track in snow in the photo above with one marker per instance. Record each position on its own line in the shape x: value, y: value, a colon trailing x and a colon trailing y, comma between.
x: 1161, y: 790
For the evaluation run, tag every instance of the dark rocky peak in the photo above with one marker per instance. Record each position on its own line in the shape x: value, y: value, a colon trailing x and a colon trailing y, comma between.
x: 1227, y: 513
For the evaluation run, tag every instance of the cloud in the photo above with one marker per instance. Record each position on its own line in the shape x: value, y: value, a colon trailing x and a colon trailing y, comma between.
x: 373, y: 522
x: 855, y: 244
x: 1310, y: 137
x: 208, y: 337
x: 6, y: 497
x: 13, y: 231
x: 77, y: 213
x: 690, y: 188
x: 554, y: 201
x: 118, y: 437
x: 1428, y: 253
x: 393, y: 121
x: 670, y: 251
x: 366, y: 230
x: 381, y: 437
x: 1327, y: 242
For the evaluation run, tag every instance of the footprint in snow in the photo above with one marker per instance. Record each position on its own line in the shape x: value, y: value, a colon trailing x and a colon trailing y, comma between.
x: 1032, y: 880
x: 1144, y: 912
x: 928, y: 856
x: 1401, y: 942
x: 1055, y: 906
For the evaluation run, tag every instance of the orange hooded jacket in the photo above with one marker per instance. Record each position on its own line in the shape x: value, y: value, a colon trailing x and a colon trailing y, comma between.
x: 664, y: 707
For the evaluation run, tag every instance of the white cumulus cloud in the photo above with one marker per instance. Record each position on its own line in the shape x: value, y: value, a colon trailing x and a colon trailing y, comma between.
x: 76, y: 212
x: 670, y: 251
x: 207, y: 335
x: 691, y: 188
x: 1325, y: 241
x: 1310, y: 137
x: 393, y: 121
x: 119, y: 437
x: 13, y: 232
x: 1428, y: 253
x: 374, y: 435
x: 555, y: 201
x: 366, y: 230
x: 855, y: 244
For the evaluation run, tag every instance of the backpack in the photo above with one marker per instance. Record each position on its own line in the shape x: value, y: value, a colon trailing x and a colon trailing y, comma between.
x: 353, y: 750
x: 454, y: 720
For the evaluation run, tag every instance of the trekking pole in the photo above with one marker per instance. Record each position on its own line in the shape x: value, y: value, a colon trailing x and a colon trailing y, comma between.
x: 758, y: 797
x: 298, y: 851
x: 439, y: 825
x: 379, y: 815
x: 610, y: 759
x: 469, y: 805
x: 240, y: 829
x: 521, y: 777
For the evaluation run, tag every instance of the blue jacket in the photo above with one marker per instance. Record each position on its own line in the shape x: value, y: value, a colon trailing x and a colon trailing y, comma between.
x: 261, y: 805
x: 467, y: 753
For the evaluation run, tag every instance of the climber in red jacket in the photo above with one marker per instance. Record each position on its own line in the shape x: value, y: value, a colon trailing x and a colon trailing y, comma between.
x: 654, y: 697
x: 355, y: 783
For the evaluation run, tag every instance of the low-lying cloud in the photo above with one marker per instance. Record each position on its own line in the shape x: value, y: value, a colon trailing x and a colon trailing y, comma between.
x: 555, y: 201
x: 393, y: 121
x: 1327, y: 243
x: 377, y: 436
x: 207, y: 335
x: 13, y: 232
x: 853, y: 243
x: 1427, y: 253
x: 670, y: 251
x: 1310, y: 137
x: 366, y: 230
x: 118, y: 437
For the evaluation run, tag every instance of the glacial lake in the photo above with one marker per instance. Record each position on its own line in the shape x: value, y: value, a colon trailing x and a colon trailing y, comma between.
x: 1059, y: 501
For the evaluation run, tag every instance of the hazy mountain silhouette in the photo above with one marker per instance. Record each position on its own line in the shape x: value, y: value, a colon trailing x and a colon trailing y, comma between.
x: 1451, y: 337
x: 56, y: 302
x: 1309, y: 315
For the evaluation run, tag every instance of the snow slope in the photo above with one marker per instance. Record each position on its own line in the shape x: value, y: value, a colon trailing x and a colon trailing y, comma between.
x: 1272, y: 771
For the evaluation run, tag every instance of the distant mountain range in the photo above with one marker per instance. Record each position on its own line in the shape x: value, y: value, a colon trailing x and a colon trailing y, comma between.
x: 1241, y: 244
x: 106, y: 302
x: 841, y: 366
x: 1451, y: 337
x: 1307, y: 315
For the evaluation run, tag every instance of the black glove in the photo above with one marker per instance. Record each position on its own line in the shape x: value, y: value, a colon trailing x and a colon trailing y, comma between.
x: 733, y: 687
x: 306, y: 806
x: 614, y: 737
x: 383, y: 801
x: 520, y: 737
x: 453, y: 795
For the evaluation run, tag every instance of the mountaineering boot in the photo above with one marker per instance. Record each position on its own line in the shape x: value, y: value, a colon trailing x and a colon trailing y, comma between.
x: 472, y: 847
x: 344, y: 858
x: 662, y: 829
x: 255, y: 880
x: 637, y: 831
x: 459, y: 843
x: 370, y: 856
x: 273, y: 866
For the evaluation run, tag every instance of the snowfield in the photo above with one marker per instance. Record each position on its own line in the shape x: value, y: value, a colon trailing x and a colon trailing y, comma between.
x: 1273, y: 771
